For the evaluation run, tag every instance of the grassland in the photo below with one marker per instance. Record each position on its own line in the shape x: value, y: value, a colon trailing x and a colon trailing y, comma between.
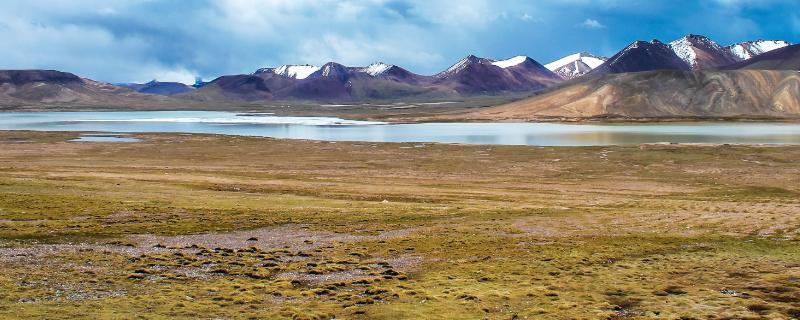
x: 202, y: 226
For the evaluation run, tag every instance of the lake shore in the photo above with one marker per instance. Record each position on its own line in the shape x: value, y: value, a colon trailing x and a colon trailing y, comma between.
x: 467, y: 110
x: 338, y: 129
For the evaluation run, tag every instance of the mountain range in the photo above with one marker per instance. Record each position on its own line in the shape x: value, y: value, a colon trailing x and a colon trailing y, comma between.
x: 157, y: 87
x: 767, y: 85
x: 472, y: 75
x: 49, y: 87
x: 663, y: 94
x: 691, y: 74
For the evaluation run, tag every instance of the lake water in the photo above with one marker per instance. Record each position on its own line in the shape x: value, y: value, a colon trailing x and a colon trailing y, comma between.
x: 334, y: 129
x: 104, y: 138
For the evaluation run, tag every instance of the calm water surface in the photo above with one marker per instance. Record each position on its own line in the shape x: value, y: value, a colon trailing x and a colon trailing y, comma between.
x: 104, y: 138
x: 334, y: 129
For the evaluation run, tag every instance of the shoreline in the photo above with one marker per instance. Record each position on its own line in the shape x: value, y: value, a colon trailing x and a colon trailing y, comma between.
x: 142, y: 137
x: 409, y: 119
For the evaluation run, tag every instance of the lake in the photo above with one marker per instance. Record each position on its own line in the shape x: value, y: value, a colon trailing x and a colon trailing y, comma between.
x: 335, y: 129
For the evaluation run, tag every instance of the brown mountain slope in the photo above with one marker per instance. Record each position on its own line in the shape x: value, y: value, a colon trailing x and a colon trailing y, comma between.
x: 54, y: 88
x: 663, y: 94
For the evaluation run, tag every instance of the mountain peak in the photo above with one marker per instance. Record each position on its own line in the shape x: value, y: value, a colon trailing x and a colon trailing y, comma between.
x: 514, y: 61
x: 463, y: 64
x: 700, y: 52
x: 575, y: 65
x: 695, y: 36
x: 786, y: 58
x: 331, y: 70
x: 644, y: 44
x: 30, y: 76
x: 748, y: 49
x: 642, y: 56
x: 376, y: 69
x: 295, y: 71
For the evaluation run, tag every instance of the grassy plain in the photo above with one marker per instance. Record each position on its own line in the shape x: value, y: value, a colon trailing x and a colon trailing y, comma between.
x: 202, y: 226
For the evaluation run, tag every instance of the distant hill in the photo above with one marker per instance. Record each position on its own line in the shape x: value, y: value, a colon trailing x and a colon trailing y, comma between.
x: 663, y: 94
x: 26, y: 87
x: 157, y: 87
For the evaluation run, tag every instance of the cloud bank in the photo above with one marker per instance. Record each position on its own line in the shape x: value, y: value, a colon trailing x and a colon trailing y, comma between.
x: 172, y: 40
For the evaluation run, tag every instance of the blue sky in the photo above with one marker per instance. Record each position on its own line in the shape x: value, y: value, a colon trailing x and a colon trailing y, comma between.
x: 176, y: 40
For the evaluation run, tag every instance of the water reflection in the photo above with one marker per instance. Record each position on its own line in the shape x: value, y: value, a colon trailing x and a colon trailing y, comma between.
x: 104, y: 138
x: 334, y: 129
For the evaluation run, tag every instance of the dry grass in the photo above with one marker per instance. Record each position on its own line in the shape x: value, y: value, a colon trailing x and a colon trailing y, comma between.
x: 197, y: 226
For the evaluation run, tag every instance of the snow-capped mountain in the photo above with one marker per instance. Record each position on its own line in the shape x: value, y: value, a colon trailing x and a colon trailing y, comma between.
x: 508, y: 63
x: 331, y: 69
x: 700, y: 52
x: 528, y: 71
x: 376, y: 68
x: 304, y: 71
x: 300, y: 71
x: 749, y: 49
x: 463, y: 64
x: 575, y: 65
x: 786, y: 58
x: 642, y: 56
x: 335, y: 82
x: 473, y: 75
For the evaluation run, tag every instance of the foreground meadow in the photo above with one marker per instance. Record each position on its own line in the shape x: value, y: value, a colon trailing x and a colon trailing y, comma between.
x: 203, y: 226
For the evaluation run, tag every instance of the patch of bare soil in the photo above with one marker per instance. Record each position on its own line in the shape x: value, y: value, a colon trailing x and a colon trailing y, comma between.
x: 293, y: 237
x: 33, y: 254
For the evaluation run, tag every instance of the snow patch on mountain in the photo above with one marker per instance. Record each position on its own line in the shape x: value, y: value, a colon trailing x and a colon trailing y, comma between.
x: 575, y: 65
x: 460, y: 65
x: 296, y: 71
x: 510, y: 62
x: 685, y: 50
x: 376, y: 69
x: 590, y: 60
x: 749, y: 49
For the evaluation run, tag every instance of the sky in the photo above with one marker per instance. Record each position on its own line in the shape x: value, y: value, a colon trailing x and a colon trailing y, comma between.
x: 177, y: 40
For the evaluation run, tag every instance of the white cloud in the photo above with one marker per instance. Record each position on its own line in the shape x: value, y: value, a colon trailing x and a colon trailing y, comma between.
x: 353, y: 32
x: 526, y: 17
x: 178, y: 74
x: 592, y: 24
x: 139, y: 40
